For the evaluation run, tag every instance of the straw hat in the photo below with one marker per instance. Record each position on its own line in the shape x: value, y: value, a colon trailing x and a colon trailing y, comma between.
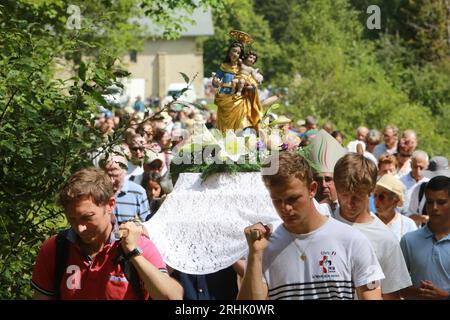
x: 394, y: 185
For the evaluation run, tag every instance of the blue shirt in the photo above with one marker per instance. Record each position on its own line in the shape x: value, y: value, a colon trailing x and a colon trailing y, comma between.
x: 372, y: 204
x: 131, y: 202
x: 226, y: 77
x: 139, y: 106
x: 426, y: 258
x: 220, y: 285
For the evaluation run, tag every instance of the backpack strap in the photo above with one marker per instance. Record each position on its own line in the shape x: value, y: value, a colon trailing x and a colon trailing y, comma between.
x: 421, y: 194
x: 61, y: 256
x: 130, y: 272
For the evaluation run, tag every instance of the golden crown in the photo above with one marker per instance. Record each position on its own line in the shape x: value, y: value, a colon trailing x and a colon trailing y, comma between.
x: 241, y: 36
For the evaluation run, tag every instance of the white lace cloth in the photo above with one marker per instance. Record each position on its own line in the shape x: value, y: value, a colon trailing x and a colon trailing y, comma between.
x: 199, y: 228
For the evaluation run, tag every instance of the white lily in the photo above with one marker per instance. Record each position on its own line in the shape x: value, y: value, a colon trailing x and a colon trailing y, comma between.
x: 200, y: 138
x: 233, y: 147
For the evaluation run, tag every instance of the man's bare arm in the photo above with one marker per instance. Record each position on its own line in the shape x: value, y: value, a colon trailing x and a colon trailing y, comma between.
x: 253, y: 286
x: 364, y: 293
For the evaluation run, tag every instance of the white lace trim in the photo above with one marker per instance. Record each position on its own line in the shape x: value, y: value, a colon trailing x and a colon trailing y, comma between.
x: 199, y: 228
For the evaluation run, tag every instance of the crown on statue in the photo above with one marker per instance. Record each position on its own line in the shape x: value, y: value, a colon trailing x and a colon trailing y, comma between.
x: 241, y: 36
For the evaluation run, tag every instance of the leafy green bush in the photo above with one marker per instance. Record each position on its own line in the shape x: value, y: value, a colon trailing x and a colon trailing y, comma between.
x: 45, y: 119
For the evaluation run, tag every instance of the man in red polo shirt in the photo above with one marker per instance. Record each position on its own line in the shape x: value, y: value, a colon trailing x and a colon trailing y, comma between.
x: 91, y: 269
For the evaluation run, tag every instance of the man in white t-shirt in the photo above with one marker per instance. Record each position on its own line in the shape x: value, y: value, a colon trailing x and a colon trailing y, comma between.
x: 355, y: 178
x: 309, y: 256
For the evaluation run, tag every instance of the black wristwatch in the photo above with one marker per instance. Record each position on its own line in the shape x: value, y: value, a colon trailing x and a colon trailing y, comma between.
x: 133, y: 253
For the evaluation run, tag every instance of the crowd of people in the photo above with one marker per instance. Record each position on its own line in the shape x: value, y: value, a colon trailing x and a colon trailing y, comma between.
x: 381, y: 230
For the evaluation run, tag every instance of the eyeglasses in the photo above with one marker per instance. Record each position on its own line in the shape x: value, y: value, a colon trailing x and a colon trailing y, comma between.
x: 320, y: 179
x: 137, y: 149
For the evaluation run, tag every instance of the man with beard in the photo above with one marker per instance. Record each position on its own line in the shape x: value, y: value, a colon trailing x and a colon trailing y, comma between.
x: 406, y: 146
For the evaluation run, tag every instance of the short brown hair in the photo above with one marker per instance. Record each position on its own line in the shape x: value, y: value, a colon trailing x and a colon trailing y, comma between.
x: 393, y: 128
x: 355, y: 173
x: 387, y: 158
x: 91, y: 183
x: 290, y: 165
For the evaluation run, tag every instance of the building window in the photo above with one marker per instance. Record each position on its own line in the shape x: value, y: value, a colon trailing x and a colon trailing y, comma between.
x: 133, y: 55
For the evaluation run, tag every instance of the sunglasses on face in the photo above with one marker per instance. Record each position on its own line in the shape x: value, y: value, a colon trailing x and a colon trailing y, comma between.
x: 380, y: 196
x: 137, y: 149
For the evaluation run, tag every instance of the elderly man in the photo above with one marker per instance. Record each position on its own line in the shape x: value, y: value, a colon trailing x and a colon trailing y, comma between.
x: 373, y: 138
x: 417, y: 209
x: 406, y: 147
x: 131, y: 198
x: 323, y: 175
x: 408, y: 141
x: 361, y: 133
x: 390, y: 136
x: 419, y: 162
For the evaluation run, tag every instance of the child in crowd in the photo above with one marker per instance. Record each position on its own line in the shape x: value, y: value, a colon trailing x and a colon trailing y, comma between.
x: 156, y: 194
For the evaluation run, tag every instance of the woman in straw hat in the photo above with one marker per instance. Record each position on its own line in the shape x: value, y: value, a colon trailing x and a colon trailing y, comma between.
x: 388, y: 196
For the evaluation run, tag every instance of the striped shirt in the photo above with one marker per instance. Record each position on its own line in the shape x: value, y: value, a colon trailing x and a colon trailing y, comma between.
x: 131, y: 201
x: 328, y: 263
x: 320, y: 290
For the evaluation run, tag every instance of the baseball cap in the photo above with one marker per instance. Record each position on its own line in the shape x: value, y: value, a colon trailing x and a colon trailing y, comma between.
x: 151, y: 156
